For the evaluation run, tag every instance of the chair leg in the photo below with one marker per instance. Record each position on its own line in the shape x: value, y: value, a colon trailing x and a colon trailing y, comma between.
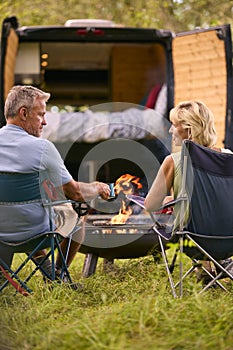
x: 18, y: 284
x: 185, y: 275
x: 181, y: 244
x: 39, y: 266
x: 167, y: 267
x: 66, y: 252
x: 214, y: 279
x: 13, y: 278
x: 172, y: 265
x: 52, y: 244
x: 63, y: 260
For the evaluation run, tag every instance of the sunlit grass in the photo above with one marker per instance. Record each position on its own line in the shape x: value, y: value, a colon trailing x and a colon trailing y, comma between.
x: 130, y: 307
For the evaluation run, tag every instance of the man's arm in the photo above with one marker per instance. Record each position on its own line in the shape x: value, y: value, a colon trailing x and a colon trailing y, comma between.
x: 81, y: 191
x: 58, y: 174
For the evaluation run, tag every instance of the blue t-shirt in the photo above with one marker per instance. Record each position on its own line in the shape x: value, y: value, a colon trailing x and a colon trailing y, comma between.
x: 24, y: 153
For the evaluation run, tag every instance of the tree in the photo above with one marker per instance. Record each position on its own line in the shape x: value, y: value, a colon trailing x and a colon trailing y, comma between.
x: 174, y: 15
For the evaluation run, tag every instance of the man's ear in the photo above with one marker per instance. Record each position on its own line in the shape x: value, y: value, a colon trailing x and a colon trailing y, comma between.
x: 23, y: 113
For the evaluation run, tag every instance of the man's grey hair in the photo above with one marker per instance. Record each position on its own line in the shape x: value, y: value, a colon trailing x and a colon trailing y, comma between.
x: 23, y: 96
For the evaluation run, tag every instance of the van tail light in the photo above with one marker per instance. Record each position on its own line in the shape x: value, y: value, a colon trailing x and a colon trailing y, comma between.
x: 97, y: 32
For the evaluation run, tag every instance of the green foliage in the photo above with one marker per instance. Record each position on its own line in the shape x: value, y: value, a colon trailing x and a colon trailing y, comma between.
x: 174, y: 15
x: 130, y: 307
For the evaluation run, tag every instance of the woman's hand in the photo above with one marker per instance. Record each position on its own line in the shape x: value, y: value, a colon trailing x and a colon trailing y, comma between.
x: 167, y: 199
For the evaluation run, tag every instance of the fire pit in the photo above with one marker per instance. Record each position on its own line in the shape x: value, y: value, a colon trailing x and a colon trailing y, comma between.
x: 121, y: 236
x: 123, y: 241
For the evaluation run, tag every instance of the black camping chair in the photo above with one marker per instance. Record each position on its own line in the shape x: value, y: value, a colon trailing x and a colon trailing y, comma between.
x: 20, y: 189
x: 207, y: 189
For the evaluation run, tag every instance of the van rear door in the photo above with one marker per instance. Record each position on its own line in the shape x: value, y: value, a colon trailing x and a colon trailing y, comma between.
x: 202, y: 63
x: 9, y: 47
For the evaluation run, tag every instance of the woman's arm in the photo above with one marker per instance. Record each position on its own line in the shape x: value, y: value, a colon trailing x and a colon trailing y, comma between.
x: 161, y: 186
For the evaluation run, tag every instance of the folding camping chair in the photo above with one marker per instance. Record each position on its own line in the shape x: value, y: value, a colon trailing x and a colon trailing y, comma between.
x: 207, y: 189
x: 20, y: 189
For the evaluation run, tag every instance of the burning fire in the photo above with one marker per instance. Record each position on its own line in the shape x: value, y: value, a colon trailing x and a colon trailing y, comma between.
x: 126, y: 184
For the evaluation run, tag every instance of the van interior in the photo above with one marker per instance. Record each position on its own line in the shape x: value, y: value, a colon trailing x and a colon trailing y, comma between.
x: 86, y: 74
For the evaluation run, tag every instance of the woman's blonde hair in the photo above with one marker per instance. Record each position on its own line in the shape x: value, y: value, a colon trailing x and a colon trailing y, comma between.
x: 198, y: 119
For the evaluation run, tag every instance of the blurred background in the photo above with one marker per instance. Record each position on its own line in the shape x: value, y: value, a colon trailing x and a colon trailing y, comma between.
x: 174, y: 15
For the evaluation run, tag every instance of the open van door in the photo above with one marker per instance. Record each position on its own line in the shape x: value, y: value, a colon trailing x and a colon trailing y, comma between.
x: 202, y: 63
x: 9, y: 47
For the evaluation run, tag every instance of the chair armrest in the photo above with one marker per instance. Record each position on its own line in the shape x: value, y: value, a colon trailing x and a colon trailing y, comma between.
x: 140, y: 201
x: 58, y: 202
x: 172, y: 203
x: 81, y: 208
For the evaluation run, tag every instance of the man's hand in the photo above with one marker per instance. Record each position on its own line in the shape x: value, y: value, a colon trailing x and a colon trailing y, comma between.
x: 103, y: 190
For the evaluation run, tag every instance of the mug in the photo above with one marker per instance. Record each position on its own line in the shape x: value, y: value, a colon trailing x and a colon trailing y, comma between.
x: 112, y: 192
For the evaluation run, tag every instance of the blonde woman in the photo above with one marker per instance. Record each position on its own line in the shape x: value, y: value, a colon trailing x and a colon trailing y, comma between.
x: 190, y: 120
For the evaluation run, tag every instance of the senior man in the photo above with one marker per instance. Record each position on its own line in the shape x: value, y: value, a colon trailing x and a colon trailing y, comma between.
x: 23, y: 151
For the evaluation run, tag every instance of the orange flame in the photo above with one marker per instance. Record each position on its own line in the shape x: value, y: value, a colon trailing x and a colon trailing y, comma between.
x: 122, y: 216
x: 125, y: 184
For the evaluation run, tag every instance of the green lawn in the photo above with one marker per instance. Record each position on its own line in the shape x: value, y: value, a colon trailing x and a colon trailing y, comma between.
x: 130, y: 307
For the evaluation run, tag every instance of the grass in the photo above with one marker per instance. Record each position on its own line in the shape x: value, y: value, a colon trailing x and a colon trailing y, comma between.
x: 130, y: 307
